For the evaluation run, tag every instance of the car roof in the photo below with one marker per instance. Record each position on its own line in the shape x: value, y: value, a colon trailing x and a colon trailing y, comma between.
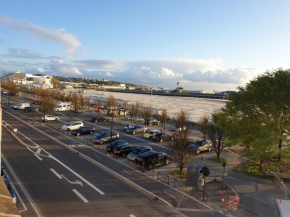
x: 153, y: 130
x: 149, y: 153
x: 143, y: 147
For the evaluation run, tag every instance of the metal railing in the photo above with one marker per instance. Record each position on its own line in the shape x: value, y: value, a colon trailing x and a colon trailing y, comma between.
x: 147, y: 172
x: 179, y: 184
x: 197, y: 193
x: 163, y: 178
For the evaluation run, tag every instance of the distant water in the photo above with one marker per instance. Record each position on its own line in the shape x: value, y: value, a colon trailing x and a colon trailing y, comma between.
x: 194, y: 107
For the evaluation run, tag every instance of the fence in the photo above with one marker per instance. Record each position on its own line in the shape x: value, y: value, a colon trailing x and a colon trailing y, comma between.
x: 180, y: 185
x: 280, y: 183
x: 164, y: 178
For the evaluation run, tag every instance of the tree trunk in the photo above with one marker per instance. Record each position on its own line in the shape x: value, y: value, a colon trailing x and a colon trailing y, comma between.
x: 180, y: 168
x: 218, y: 155
x: 261, y: 166
x: 280, y: 148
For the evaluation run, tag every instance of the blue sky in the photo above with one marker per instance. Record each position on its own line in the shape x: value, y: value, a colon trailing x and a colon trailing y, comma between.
x: 212, y: 45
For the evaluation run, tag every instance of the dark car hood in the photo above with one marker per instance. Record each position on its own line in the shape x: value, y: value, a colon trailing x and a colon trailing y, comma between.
x: 194, y: 146
x: 75, y: 131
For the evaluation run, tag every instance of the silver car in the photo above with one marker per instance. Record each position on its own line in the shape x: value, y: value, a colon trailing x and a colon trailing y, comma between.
x: 137, y: 151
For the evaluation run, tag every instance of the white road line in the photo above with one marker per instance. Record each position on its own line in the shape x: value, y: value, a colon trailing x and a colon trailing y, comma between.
x: 111, y: 158
x: 39, y: 158
x: 23, y: 189
x: 98, y: 156
x: 127, y: 172
x: 169, y: 194
x: 73, y: 183
x: 38, y: 151
x: 132, y: 215
x: 55, y: 173
x: 80, y: 196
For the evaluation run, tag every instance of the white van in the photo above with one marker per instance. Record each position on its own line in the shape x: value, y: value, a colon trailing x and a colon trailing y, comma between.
x: 63, y: 106
x: 21, y: 105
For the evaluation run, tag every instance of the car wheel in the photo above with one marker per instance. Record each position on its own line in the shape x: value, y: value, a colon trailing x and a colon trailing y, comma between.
x: 144, y: 131
x: 124, y: 155
x: 134, y: 132
x: 96, y: 121
x: 172, y: 139
x: 68, y: 129
x: 101, y: 142
x: 167, y: 161
x: 56, y: 119
x: 78, y: 134
x: 209, y: 148
x: 150, y: 137
x: 161, y: 140
x: 198, y: 152
x: 91, y: 132
x: 158, y: 123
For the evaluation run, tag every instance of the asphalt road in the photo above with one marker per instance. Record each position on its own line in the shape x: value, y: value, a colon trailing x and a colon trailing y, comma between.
x: 64, y: 176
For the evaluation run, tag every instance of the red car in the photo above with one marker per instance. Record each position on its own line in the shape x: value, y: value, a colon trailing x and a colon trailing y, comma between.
x: 37, y: 102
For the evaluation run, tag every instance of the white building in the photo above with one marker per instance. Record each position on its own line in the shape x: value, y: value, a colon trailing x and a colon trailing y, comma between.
x: 31, y: 80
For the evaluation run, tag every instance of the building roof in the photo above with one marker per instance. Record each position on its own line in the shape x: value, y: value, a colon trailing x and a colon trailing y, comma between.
x: 18, y: 76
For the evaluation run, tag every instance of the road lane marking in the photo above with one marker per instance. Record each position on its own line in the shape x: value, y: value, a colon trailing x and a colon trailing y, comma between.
x: 73, y: 183
x: 98, y: 156
x: 38, y: 151
x: 127, y: 172
x: 55, y: 173
x: 25, y: 192
x: 132, y: 215
x: 116, y: 174
x: 39, y: 158
x: 169, y: 194
x: 80, y: 196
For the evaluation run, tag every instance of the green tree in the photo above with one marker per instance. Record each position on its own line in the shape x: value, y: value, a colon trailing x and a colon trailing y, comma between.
x: 258, y: 116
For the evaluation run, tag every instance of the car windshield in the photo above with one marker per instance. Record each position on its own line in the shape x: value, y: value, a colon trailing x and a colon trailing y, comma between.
x: 158, y: 134
x: 68, y: 124
x: 102, y: 134
x: 199, y: 143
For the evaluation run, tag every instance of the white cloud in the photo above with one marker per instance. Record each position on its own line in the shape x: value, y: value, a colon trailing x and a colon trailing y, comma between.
x: 68, y: 40
x: 167, y: 73
x: 99, y: 64
x: 109, y: 74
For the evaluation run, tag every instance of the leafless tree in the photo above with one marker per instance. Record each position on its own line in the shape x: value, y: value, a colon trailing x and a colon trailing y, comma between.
x: 163, y: 118
x: 47, y: 101
x: 88, y: 102
x: 111, y: 104
x: 132, y: 111
x: 181, y: 120
x: 56, y: 95
x: 147, y: 113
x: 125, y: 107
x: 203, y: 125
x: 75, y: 100
x: 216, y: 136
x: 81, y: 102
x: 179, y: 148
x: 99, y: 104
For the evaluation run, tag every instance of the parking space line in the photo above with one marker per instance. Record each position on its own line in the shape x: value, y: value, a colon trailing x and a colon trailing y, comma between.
x: 97, y: 156
x: 39, y: 158
x: 127, y: 172
x: 80, y: 196
x: 55, y: 173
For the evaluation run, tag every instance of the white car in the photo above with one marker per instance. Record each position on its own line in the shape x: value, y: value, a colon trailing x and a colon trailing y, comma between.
x: 50, y: 118
x: 72, y: 125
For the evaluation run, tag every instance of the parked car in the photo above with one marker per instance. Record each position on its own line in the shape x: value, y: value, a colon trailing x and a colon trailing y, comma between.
x: 36, y: 102
x: 83, y: 131
x: 10, y: 189
x: 161, y: 137
x: 50, y: 118
x: 30, y: 109
x: 72, y: 125
x: 136, y: 120
x: 20, y: 105
x: 105, y: 136
x: 112, y: 145
x: 200, y: 146
x: 177, y: 129
x: 123, y: 150
x: 2, y: 171
x: 150, y: 134
x: 126, y: 126
x: 152, y: 159
x: 99, y: 119
x: 137, y: 151
x: 137, y: 129
x: 152, y: 121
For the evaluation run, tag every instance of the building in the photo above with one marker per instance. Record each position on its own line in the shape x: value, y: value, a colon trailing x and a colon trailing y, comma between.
x: 30, y: 80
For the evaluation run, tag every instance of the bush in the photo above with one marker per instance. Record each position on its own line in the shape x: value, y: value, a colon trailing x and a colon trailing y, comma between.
x: 176, y: 174
x: 221, y: 160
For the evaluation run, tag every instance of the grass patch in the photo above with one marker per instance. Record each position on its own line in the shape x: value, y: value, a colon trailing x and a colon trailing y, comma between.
x: 221, y: 160
x: 176, y: 174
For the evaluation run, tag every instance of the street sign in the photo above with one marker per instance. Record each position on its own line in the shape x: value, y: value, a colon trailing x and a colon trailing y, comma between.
x: 224, y: 164
x: 205, y: 171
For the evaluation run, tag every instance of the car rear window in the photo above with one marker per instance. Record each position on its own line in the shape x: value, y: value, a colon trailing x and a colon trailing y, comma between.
x: 136, y: 151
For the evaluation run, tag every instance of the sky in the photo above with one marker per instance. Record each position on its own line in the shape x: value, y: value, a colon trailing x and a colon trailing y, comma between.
x: 204, y: 45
